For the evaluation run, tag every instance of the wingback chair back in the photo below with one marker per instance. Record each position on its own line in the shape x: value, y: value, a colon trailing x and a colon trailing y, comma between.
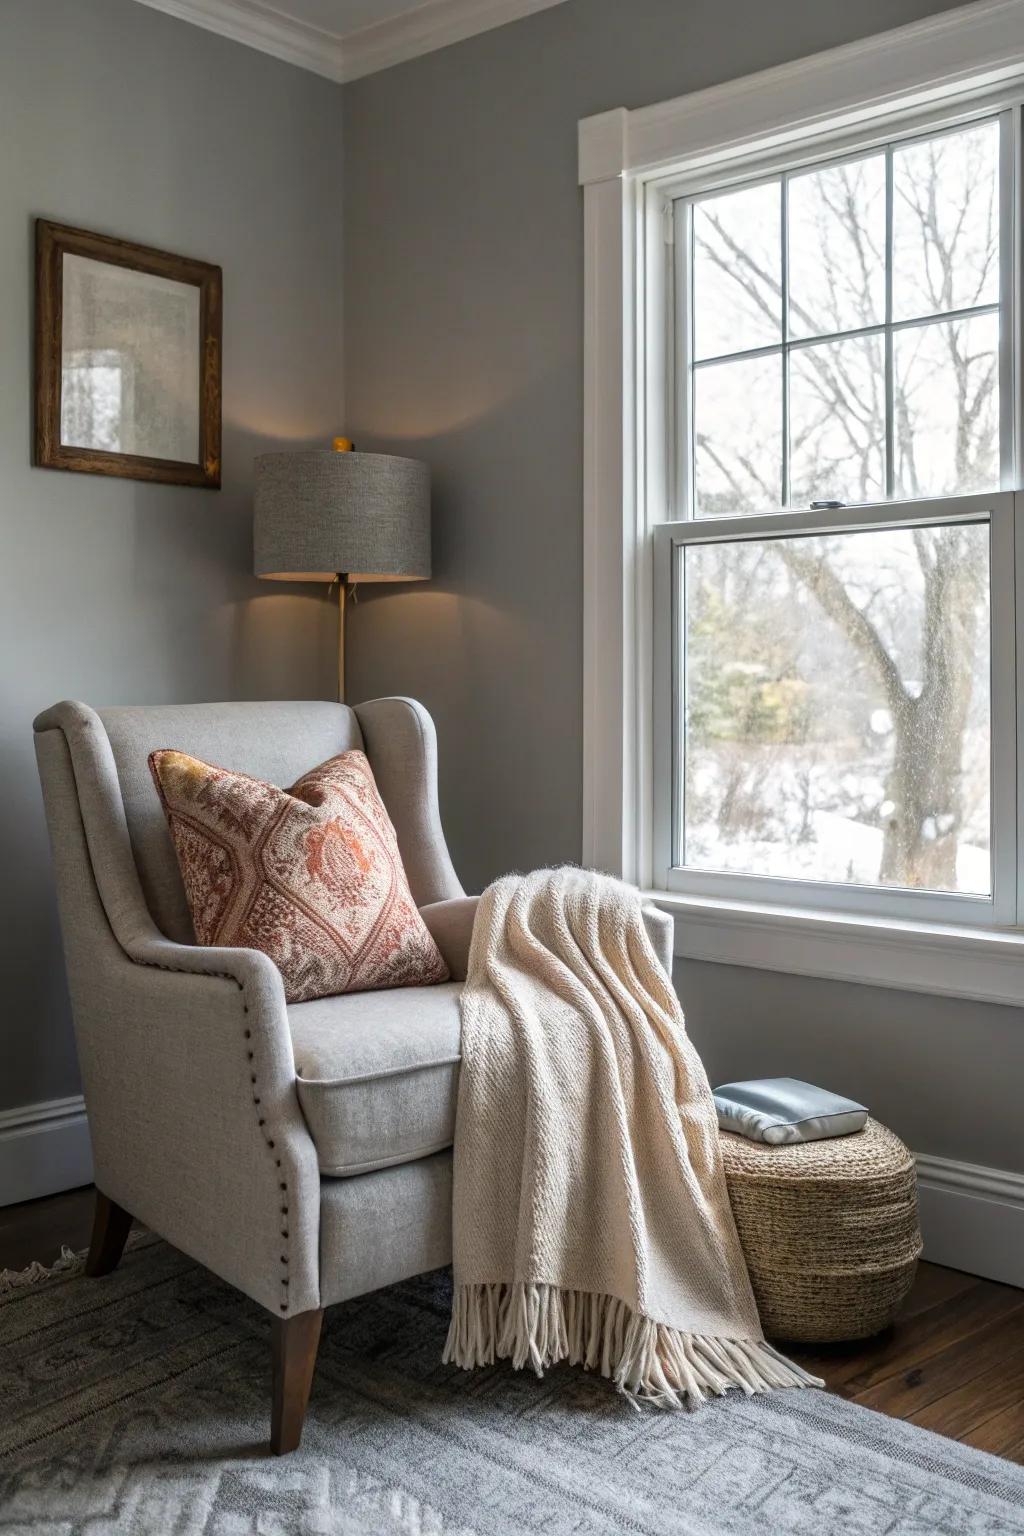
x: 108, y: 773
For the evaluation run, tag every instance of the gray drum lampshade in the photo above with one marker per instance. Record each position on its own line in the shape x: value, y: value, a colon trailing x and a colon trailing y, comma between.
x: 319, y: 513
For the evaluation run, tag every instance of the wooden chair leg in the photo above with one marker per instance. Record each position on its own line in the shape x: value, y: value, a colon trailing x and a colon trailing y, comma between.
x: 110, y: 1227
x: 296, y: 1340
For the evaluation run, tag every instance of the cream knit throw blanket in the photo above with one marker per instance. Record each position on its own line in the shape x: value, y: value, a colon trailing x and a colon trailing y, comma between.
x: 591, y: 1217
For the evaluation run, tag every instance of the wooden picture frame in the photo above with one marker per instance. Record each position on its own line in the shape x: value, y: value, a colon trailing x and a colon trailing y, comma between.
x: 148, y: 374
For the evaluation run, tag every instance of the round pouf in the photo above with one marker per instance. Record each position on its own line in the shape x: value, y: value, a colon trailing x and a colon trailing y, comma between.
x: 829, y: 1230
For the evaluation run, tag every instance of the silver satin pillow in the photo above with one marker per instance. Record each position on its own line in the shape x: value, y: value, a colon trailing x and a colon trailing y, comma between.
x: 781, y: 1110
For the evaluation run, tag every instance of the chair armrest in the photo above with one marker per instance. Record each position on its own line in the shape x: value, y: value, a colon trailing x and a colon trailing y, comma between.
x: 252, y: 971
x: 193, y: 1111
x: 451, y: 927
x: 661, y: 932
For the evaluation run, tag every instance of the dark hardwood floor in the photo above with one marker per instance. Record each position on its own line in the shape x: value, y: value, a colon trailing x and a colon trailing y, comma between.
x: 953, y: 1362
x: 40, y: 1228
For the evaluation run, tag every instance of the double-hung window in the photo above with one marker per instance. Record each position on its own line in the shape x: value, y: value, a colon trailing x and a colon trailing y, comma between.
x: 835, y: 633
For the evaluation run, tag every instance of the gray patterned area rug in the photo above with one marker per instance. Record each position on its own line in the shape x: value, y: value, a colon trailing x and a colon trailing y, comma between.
x: 140, y: 1403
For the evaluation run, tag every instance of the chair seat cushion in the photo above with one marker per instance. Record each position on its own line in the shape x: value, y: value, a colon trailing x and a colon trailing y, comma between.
x: 378, y: 1074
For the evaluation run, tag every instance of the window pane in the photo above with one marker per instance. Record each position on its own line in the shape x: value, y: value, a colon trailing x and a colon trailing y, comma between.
x: 738, y: 436
x: 946, y: 429
x: 837, y: 248
x: 837, y: 421
x: 945, y: 215
x: 827, y: 737
x: 737, y: 271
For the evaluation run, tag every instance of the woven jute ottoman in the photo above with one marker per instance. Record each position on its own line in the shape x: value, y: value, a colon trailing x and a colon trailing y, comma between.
x: 829, y: 1230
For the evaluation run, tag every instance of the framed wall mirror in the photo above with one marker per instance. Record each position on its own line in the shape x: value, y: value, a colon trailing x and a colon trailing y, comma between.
x: 128, y: 359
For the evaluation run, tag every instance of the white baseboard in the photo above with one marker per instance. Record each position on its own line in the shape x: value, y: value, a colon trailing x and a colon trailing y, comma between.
x: 44, y: 1148
x: 972, y: 1218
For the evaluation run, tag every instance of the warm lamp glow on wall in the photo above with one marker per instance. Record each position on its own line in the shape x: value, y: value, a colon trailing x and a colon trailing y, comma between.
x: 331, y: 514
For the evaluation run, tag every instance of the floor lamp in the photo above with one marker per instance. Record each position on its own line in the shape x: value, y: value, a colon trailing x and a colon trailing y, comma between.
x: 330, y: 515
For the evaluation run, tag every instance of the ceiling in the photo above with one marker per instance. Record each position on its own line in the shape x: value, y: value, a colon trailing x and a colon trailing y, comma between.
x: 344, y: 39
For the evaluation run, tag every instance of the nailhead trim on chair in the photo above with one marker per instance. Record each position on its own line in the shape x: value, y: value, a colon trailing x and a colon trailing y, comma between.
x: 226, y: 976
x: 261, y: 1121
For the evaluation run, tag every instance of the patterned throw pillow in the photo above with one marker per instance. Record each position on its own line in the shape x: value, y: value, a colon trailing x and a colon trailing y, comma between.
x: 311, y: 875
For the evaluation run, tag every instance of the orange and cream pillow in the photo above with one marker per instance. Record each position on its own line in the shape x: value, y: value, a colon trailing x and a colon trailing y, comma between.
x: 311, y: 875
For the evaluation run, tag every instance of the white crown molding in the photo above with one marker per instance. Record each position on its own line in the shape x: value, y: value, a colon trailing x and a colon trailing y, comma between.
x: 973, y: 46
x: 43, y: 1148
x: 246, y: 21
x: 426, y: 27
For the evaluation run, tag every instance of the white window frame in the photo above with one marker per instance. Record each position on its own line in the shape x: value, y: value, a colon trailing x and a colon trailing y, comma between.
x: 997, y: 513
x: 633, y: 165
x: 884, y: 135
x: 1001, y: 906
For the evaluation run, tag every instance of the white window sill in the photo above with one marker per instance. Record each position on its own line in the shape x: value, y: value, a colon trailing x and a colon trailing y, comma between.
x: 984, y: 964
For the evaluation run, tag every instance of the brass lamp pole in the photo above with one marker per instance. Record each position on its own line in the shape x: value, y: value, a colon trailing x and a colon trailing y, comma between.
x: 342, y: 579
x: 342, y: 445
x: 331, y: 514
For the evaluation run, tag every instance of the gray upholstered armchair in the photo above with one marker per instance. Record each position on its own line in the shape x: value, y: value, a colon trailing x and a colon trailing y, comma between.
x: 300, y: 1152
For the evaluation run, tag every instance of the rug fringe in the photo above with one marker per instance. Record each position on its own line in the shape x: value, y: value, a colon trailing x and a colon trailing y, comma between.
x: 14, y: 1279
x: 538, y: 1325
x: 70, y: 1262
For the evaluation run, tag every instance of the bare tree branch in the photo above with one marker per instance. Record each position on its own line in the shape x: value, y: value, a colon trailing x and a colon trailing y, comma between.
x: 817, y: 576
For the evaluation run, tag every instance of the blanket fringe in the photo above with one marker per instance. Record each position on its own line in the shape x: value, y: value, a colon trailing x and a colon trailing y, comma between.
x: 538, y: 1325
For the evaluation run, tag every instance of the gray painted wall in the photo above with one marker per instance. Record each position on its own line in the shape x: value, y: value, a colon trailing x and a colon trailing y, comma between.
x: 123, y: 120
x: 946, y: 1074
x: 463, y: 303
